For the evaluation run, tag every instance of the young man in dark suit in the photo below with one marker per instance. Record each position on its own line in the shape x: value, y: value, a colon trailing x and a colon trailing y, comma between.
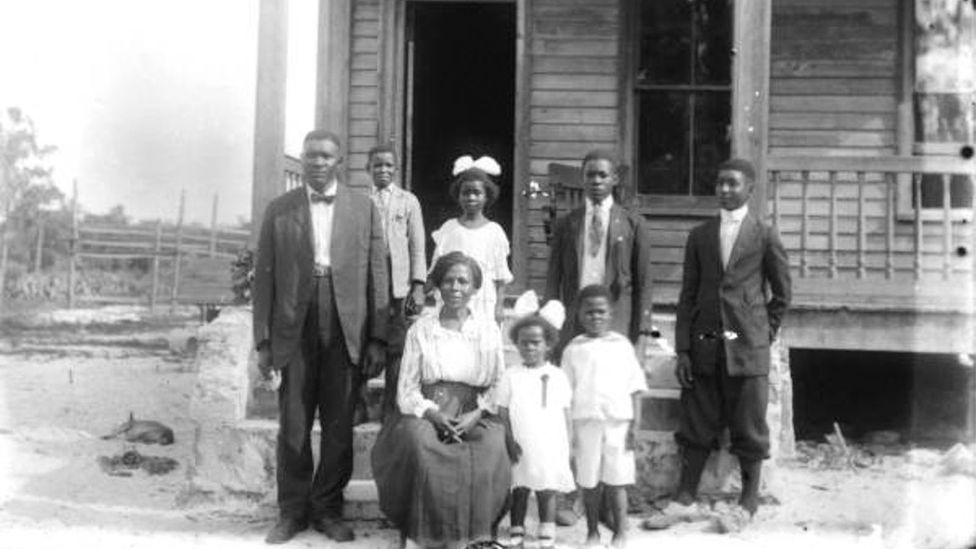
x: 601, y: 243
x: 734, y: 292
x: 321, y: 294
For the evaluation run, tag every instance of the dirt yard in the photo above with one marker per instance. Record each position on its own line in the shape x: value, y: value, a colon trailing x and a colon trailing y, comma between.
x: 68, y: 377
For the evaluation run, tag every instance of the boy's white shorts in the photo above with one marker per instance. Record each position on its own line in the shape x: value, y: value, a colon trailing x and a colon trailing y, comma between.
x: 601, y: 454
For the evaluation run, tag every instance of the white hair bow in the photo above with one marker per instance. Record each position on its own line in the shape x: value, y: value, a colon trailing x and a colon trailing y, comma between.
x: 553, y: 311
x: 486, y: 164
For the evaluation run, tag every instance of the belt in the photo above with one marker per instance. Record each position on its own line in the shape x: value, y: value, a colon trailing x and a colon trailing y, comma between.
x: 727, y: 335
x: 321, y: 270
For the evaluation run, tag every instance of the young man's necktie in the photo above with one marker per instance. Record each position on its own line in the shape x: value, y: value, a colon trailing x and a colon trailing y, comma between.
x: 596, y: 231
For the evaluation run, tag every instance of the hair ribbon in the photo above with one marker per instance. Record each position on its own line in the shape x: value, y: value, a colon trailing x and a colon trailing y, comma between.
x: 528, y: 303
x: 486, y: 164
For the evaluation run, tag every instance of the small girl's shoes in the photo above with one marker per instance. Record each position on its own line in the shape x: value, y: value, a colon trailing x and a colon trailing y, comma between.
x: 547, y: 535
x: 516, y: 537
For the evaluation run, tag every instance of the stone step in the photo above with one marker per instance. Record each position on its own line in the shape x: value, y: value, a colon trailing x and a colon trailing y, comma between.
x: 363, y: 438
x: 256, y: 438
x: 362, y: 500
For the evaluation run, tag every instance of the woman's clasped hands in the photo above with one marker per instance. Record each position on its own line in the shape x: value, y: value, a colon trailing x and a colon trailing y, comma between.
x: 450, y: 430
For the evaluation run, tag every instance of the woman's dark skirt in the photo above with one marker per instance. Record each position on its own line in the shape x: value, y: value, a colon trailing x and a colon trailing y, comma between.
x: 436, y: 492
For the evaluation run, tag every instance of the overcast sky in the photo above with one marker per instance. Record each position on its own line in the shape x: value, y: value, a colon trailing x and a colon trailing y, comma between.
x: 144, y: 98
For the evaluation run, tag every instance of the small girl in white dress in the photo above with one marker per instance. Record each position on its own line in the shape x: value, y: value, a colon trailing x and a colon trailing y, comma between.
x: 534, y: 400
x: 475, y: 235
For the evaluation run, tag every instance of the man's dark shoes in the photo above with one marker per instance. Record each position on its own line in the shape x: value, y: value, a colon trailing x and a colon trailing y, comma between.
x: 285, y: 529
x: 334, y: 528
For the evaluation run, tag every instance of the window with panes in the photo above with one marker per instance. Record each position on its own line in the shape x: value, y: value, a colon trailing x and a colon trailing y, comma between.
x: 683, y: 94
x: 944, y: 93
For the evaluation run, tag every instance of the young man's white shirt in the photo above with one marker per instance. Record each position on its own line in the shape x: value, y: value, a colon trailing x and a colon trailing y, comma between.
x: 731, y: 222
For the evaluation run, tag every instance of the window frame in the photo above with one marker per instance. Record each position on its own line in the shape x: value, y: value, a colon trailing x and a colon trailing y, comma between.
x: 907, y: 145
x: 751, y: 34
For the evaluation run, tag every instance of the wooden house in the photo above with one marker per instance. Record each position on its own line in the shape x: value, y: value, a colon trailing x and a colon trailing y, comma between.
x: 859, y: 115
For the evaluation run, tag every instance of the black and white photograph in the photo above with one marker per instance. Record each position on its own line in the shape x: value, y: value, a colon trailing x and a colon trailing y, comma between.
x: 490, y: 274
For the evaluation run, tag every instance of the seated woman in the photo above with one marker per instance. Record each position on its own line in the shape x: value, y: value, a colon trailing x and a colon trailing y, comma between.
x: 441, y: 467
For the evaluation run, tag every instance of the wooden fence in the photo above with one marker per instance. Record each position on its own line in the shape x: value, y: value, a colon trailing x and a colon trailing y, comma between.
x: 196, y: 260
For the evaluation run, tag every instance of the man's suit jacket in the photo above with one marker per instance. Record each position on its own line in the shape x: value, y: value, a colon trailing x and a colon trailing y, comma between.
x: 748, y: 298
x: 406, y: 239
x: 283, y: 274
x: 628, y: 270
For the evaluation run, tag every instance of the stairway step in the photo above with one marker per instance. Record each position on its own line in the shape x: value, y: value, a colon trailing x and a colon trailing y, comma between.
x: 361, y: 500
x: 363, y: 438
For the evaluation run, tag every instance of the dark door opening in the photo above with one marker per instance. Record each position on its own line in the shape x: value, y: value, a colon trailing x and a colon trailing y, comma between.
x: 461, y: 100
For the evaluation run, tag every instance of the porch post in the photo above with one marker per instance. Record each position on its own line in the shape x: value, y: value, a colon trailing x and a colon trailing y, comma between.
x: 521, y: 169
x: 269, y: 119
x: 750, y: 94
x: 332, y: 79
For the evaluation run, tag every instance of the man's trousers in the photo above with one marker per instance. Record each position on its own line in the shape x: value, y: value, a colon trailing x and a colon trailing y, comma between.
x: 322, y: 379
x: 719, y: 400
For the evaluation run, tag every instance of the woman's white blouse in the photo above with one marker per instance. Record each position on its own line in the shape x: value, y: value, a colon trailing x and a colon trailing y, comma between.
x: 433, y: 353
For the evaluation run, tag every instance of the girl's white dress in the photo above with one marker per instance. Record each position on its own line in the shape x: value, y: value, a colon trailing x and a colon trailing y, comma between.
x: 489, y: 246
x: 537, y: 400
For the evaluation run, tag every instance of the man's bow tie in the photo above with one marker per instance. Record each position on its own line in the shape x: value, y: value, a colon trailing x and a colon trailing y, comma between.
x: 321, y: 197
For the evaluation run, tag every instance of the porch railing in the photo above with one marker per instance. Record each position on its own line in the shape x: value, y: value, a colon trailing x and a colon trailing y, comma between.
x: 293, y: 172
x: 857, y: 225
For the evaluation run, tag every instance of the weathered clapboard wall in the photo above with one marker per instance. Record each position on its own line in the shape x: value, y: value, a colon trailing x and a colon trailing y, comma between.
x: 364, y: 88
x: 574, y: 49
x: 835, y: 91
x: 834, y: 78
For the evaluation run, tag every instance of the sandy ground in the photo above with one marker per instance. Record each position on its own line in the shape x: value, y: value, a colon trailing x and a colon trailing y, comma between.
x: 67, y: 377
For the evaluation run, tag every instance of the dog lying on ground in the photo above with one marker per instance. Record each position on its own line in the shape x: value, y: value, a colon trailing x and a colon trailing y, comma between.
x: 144, y: 431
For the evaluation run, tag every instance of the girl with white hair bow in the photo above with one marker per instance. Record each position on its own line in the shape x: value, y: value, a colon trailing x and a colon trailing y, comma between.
x: 533, y: 400
x: 474, y: 189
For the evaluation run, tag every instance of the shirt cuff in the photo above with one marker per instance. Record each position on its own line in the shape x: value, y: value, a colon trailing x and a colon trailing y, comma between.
x: 487, y: 405
x: 422, y: 408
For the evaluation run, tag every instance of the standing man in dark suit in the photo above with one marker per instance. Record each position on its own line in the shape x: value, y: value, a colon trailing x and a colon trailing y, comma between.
x: 734, y: 292
x: 601, y: 243
x: 321, y: 293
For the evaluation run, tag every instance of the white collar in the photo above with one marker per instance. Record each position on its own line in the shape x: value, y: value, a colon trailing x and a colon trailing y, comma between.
x: 604, y: 206
x: 386, y: 190
x: 329, y: 190
x: 736, y: 215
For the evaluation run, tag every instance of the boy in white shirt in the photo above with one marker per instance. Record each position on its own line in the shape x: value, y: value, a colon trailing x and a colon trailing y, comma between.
x: 606, y: 378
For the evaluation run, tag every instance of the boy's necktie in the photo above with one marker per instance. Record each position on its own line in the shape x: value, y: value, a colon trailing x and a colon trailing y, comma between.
x: 384, y: 208
x: 596, y: 231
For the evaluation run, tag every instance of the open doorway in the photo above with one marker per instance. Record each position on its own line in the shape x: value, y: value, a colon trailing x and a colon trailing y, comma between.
x: 460, y: 100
